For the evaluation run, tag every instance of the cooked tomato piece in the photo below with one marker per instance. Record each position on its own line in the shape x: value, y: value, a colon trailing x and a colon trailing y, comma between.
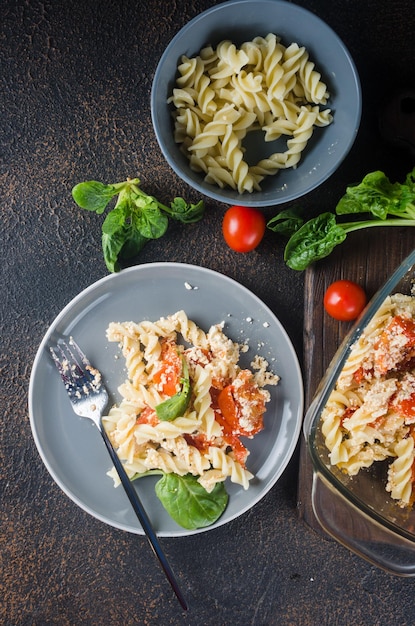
x: 240, y: 452
x: 199, y: 441
x: 229, y: 408
x: 406, y: 407
x: 231, y: 439
x: 377, y: 423
x: 148, y: 416
x: 169, y: 374
x: 242, y: 405
x: 359, y: 375
x: 250, y: 402
x: 390, y: 353
x: 347, y: 414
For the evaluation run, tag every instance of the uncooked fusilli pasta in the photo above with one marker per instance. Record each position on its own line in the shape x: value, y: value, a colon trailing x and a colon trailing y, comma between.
x: 221, y: 94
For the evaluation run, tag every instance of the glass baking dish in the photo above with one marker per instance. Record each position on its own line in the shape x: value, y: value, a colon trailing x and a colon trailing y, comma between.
x: 357, y: 510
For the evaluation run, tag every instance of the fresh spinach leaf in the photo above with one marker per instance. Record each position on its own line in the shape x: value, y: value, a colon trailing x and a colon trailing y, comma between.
x: 386, y: 204
x: 378, y: 196
x: 186, y: 213
x: 151, y: 222
x: 133, y: 244
x: 135, y: 219
x: 176, y: 405
x: 115, y: 220
x: 188, y: 502
x: 112, y: 246
x: 313, y: 241
x: 93, y: 195
x: 286, y: 222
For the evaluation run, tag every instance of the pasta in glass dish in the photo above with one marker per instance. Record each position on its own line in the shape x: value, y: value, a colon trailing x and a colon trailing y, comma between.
x: 185, y: 406
x: 360, y: 428
x: 370, y: 414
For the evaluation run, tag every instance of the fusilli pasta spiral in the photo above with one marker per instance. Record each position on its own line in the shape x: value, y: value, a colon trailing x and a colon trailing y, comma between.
x: 196, y: 441
x: 222, y: 94
x: 370, y: 414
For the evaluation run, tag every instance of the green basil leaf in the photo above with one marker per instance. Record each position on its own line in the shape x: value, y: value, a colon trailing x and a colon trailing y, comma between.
x: 115, y: 219
x: 313, y: 241
x: 187, y: 213
x: 176, y: 405
x: 150, y: 222
x: 286, y: 222
x: 112, y: 246
x: 133, y: 245
x: 93, y: 195
x: 188, y: 502
x: 375, y: 195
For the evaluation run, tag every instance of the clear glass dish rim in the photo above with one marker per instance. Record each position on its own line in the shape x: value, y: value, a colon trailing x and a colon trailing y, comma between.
x: 327, y: 383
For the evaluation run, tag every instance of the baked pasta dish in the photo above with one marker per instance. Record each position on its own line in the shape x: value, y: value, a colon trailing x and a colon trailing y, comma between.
x: 370, y: 414
x: 186, y: 405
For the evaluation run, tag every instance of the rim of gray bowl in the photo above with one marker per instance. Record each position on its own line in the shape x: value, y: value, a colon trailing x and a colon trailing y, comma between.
x: 329, y: 145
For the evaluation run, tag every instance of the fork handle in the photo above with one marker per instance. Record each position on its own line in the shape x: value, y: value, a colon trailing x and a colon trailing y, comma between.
x: 143, y: 518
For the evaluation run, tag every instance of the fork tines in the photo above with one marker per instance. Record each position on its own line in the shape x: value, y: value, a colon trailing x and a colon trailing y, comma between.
x: 76, y: 371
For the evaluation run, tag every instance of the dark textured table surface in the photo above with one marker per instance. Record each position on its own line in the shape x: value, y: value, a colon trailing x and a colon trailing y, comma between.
x: 75, y: 86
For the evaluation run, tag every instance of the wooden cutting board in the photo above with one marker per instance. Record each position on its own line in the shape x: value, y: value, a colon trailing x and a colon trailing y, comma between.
x: 367, y: 257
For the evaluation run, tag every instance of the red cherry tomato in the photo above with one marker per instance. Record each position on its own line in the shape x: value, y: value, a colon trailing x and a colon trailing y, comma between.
x: 344, y: 300
x: 243, y: 228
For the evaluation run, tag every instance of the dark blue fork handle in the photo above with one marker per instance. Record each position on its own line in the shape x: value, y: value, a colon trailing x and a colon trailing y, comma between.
x: 143, y: 519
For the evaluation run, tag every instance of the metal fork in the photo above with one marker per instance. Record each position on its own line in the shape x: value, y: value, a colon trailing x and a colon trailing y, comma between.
x: 89, y: 398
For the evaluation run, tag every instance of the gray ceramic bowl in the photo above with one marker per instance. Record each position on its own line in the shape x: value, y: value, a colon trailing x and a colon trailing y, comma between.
x: 242, y: 20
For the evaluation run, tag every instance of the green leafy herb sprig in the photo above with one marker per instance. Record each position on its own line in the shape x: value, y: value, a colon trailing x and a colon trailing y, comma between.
x: 186, y: 500
x: 183, y: 497
x: 135, y: 219
x: 176, y: 405
x: 386, y: 203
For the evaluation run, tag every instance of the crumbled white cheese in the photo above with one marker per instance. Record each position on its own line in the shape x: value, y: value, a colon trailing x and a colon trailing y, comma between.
x: 262, y: 375
x: 189, y: 286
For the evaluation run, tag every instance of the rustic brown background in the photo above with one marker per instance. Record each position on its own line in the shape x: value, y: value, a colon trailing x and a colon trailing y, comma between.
x: 74, y: 100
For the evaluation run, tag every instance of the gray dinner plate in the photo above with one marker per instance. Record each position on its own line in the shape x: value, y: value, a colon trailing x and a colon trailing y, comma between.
x: 71, y: 447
